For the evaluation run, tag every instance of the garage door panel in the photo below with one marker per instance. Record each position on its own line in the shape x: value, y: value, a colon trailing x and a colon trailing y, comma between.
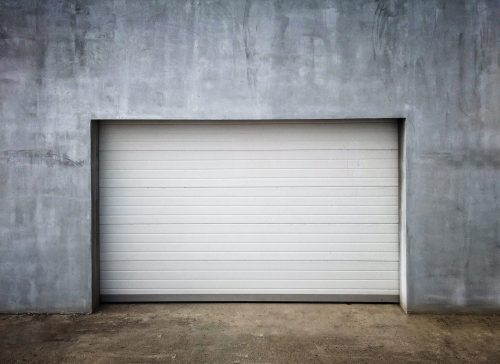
x: 250, y: 247
x: 284, y: 256
x: 268, y: 228
x: 254, y: 192
x: 250, y: 219
x: 248, y: 238
x: 247, y: 164
x: 245, y: 155
x: 243, y: 275
x: 369, y: 143
x: 229, y: 137
x: 249, y: 208
x: 251, y: 266
x: 249, y: 284
x: 239, y: 291
x: 175, y: 174
x: 311, y: 130
x: 251, y: 182
x: 251, y: 201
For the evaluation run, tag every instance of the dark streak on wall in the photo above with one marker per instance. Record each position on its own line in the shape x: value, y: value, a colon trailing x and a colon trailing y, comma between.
x: 47, y: 157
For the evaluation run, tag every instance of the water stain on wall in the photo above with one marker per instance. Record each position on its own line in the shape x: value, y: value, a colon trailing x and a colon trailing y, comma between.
x: 39, y: 156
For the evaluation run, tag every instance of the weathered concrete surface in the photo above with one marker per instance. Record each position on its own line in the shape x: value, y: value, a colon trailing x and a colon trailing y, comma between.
x: 250, y: 333
x: 435, y: 63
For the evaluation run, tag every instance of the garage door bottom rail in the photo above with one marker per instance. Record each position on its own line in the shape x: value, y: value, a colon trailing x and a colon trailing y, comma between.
x: 354, y: 298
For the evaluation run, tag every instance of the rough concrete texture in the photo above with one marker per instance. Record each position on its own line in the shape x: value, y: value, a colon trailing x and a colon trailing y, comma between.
x: 250, y: 333
x: 435, y: 63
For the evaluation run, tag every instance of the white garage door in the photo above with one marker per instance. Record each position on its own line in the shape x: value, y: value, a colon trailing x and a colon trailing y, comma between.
x: 249, y: 211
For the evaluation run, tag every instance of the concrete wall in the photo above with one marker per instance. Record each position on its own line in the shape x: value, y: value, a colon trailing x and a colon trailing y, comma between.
x: 435, y: 63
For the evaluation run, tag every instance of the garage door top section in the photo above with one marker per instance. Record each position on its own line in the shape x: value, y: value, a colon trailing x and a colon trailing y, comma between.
x: 249, y: 208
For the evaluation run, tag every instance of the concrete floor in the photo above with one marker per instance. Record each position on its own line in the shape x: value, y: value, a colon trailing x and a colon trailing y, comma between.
x: 249, y: 333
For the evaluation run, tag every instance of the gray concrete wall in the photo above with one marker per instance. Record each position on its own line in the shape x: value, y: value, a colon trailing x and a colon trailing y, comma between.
x: 435, y: 63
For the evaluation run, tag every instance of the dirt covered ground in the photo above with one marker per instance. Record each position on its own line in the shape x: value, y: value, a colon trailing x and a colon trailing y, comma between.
x: 249, y: 333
